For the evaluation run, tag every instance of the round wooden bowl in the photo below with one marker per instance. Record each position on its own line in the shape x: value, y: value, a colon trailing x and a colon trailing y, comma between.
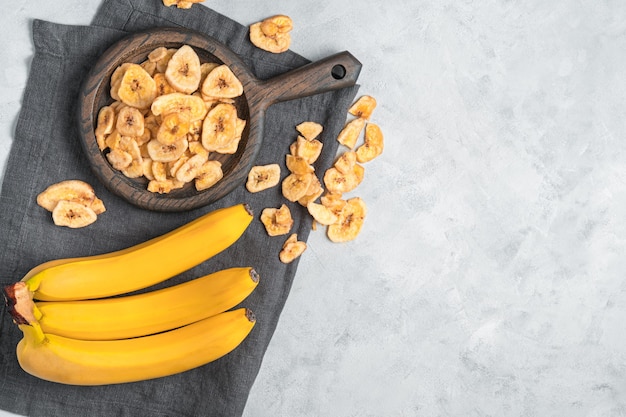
x: 337, y: 71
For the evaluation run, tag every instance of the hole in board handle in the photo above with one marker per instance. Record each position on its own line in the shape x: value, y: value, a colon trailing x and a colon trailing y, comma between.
x: 338, y: 72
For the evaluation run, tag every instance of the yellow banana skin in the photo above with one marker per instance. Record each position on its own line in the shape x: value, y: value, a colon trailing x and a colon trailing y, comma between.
x: 87, y: 362
x: 142, y: 265
x: 152, y: 312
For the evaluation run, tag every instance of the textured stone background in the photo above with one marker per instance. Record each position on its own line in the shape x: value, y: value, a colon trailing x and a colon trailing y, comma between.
x: 489, y: 276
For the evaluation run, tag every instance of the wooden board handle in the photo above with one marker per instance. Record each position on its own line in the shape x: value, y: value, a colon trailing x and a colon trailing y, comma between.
x: 332, y: 73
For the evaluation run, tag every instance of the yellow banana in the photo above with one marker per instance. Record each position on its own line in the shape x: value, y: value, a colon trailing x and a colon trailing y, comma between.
x: 88, y: 362
x: 142, y: 265
x: 148, y: 313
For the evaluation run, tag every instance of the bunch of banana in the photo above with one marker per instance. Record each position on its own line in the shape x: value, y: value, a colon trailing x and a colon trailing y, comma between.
x: 76, y: 333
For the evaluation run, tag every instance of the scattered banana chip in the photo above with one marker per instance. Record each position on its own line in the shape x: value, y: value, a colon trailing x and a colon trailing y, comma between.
x: 73, y: 203
x: 363, y: 107
x: 295, y: 186
x: 292, y: 249
x: 277, y: 221
x: 169, y: 113
x: 351, y: 221
x: 373, y: 145
x: 310, y: 130
x: 349, y: 135
x: 262, y: 177
x: 322, y: 214
x: 272, y: 34
x: 181, y: 4
x: 72, y: 215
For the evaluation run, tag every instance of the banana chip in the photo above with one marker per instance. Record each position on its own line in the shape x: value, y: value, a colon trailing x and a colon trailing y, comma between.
x: 167, y: 153
x: 308, y: 149
x: 309, y: 130
x: 373, y: 144
x: 352, y: 217
x: 272, y: 34
x: 208, y: 175
x: 277, y: 221
x: 262, y: 177
x: 73, y: 215
x: 181, y: 4
x: 292, y: 249
x: 221, y: 83
x: 322, y: 214
x: 136, y: 88
x: 130, y: 121
x: 183, y: 70
x: 363, y: 107
x: 295, y: 186
x: 350, y: 133
x: 73, y: 203
x: 173, y: 128
x: 219, y: 126
x: 179, y: 102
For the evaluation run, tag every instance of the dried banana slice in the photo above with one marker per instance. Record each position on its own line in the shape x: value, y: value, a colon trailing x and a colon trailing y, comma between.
x: 190, y: 169
x: 97, y: 206
x: 181, y: 4
x: 373, y: 144
x: 352, y: 217
x: 312, y: 193
x: 159, y: 170
x: 137, y: 88
x: 277, y: 221
x: 340, y: 183
x: 298, y: 165
x: 166, y: 153
x: 208, y: 175
x: 119, y: 159
x: 173, y: 128
x: 351, y: 132
x: 292, y: 249
x: 165, y: 186
x: 279, y: 23
x: 272, y: 34
x: 346, y: 162
x: 163, y: 87
x: 179, y: 102
x: 322, y: 214
x: 262, y: 177
x: 165, y: 59
x: 73, y: 215
x: 130, y: 121
x: 363, y: 107
x: 221, y: 83
x: 157, y: 54
x: 219, y: 126
x: 183, y: 70
x: 76, y: 191
x: 296, y: 186
x: 309, y: 150
x: 309, y: 130
x: 104, y: 125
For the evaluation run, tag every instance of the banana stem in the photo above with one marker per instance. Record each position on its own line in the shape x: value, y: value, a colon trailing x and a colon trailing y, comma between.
x: 19, y: 301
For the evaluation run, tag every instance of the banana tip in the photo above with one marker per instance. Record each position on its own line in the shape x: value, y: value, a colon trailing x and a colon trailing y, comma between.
x: 250, y: 315
x: 254, y: 275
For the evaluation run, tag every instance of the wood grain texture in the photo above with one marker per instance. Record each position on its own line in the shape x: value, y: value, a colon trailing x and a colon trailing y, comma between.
x: 317, y: 77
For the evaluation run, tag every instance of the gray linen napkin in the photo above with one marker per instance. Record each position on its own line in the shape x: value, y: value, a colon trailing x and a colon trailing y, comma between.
x: 46, y: 150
